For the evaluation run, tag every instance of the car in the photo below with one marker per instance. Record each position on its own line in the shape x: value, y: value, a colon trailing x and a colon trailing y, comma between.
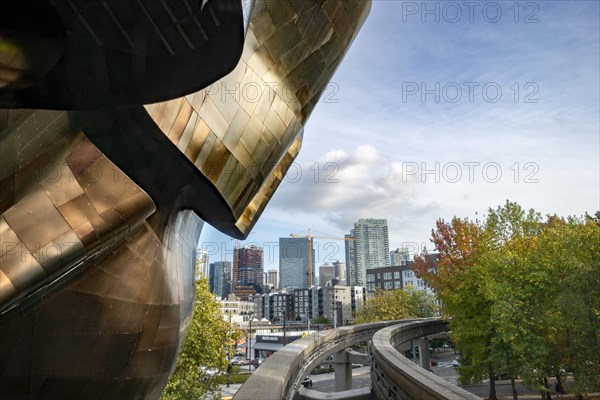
x: 307, y: 382
x: 257, y: 361
x: 455, y: 363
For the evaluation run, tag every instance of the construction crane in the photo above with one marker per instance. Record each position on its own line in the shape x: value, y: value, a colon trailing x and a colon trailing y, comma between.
x: 310, y: 242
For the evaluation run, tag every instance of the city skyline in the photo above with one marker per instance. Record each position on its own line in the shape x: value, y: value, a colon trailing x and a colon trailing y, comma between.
x: 393, y: 139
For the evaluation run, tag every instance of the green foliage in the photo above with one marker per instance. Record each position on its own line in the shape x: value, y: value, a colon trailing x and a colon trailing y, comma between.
x: 387, y: 305
x: 204, y: 355
x: 522, y: 294
x: 321, y: 320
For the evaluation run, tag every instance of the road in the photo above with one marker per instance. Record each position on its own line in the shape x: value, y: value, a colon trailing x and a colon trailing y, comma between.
x: 361, y: 378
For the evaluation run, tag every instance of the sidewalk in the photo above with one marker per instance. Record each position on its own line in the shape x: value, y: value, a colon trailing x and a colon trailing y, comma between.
x: 228, y: 392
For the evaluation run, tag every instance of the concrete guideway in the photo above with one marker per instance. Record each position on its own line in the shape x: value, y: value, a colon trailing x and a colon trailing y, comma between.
x: 280, y: 376
x: 395, y: 376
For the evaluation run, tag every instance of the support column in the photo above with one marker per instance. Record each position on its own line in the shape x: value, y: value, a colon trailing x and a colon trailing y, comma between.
x: 343, y: 371
x: 424, y: 353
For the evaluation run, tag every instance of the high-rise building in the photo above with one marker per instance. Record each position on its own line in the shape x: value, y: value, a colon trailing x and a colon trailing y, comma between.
x: 399, y: 256
x: 337, y: 304
x: 273, y: 278
x: 339, y: 271
x: 303, y: 304
x: 247, y: 270
x: 201, y: 264
x: 220, y: 278
x: 326, y: 274
x: 367, y: 246
x: 293, y: 263
x: 400, y: 277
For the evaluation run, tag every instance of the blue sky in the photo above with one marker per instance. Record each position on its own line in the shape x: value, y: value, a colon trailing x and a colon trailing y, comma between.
x: 429, y: 119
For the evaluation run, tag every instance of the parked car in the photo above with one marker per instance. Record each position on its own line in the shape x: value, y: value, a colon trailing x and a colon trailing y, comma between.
x: 257, y: 361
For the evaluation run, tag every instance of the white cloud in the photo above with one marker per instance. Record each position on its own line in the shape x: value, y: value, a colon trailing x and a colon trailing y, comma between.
x: 363, y: 184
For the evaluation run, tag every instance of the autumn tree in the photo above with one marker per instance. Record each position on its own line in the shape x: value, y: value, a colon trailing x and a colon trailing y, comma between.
x: 462, y: 286
x: 521, y: 294
x: 387, y: 305
x: 209, y: 342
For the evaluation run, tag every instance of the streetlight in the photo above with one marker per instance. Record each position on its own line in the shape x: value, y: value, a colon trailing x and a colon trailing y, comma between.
x: 284, y: 319
x: 229, y: 352
x: 250, y: 345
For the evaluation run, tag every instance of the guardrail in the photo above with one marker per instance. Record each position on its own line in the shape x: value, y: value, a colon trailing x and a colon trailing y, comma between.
x: 393, y: 376
x: 279, y: 376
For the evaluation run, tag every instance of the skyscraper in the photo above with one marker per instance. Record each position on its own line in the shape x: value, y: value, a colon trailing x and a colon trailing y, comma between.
x: 326, y: 274
x: 339, y: 271
x: 220, y: 278
x: 273, y: 278
x: 293, y: 263
x: 248, y: 269
x: 201, y: 264
x: 399, y: 256
x: 368, y: 247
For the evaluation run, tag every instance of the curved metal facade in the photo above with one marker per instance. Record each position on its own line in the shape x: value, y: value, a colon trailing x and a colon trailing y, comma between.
x: 101, y: 208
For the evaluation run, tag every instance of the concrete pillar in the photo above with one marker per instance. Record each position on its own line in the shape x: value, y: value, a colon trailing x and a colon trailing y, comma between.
x: 424, y: 353
x: 343, y: 371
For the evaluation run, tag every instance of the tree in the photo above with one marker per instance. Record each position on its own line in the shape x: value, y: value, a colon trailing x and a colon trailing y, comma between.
x: 321, y: 319
x: 209, y: 343
x: 461, y: 284
x: 521, y: 294
x: 387, y: 305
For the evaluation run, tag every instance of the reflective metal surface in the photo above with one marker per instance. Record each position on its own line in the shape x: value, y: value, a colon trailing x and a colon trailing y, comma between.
x: 83, y: 54
x: 244, y: 131
x: 101, y: 207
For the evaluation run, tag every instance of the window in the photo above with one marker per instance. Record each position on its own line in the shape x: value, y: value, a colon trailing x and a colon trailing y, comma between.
x: 397, y: 284
x: 387, y: 285
x: 396, y: 274
x: 379, y: 275
x: 370, y: 277
x: 387, y: 275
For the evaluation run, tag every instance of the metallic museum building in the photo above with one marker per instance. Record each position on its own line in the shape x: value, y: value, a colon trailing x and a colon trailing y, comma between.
x: 124, y: 126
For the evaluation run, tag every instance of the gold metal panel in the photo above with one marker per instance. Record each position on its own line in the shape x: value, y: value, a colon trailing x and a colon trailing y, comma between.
x: 168, y: 116
x: 205, y: 150
x: 201, y: 133
x: 264, y: 104
x: 236, y: 128
x: 256, y: 113
x: 265, y: 28
x: 188, y: 132
x: 59, y: 183
x: 105, y: 185
x: 78, y: 211
x: 260, y: 61
x: 19, y: 266
x: 213, y: 117
x: 7, y: 289
x: 134, y: 208
x: 35, y: 220
x: 53, y: 256
x: 7, y: 191
x: 185, y: 112
x: 216, y: 160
